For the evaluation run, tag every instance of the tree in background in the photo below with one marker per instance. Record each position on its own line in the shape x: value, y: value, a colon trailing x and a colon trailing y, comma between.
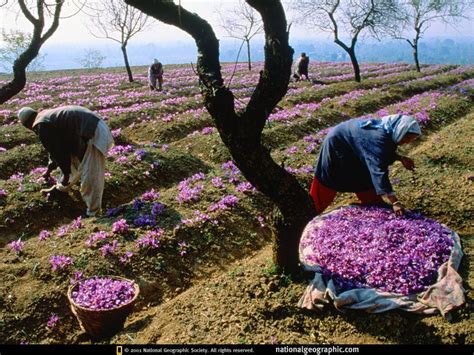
x: 242, y: 23
x: 37, y: 15
x: 417, y: 15
x: 241, y: 131
x: 92, y: 58
x: 119, y: 22
x: 15, y: 43
x: 348, y: 18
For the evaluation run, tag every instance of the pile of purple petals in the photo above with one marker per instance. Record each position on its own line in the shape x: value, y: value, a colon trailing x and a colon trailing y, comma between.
x: 101, y: 293
x: 370, y: 247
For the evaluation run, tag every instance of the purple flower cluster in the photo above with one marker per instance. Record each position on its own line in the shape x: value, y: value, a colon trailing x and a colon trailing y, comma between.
x: 157, y: 208
x: 60, y: 262
x: 189, y: 190
x: 52, y: 321
x: 137, y: 204
x: 292, y: 150
x: 63, y: 230
x: 217, y: 182
x: 95, y: 237
x: 371, y: 247
x: 3, y: 193
x: 76, y: 277
x: 103, y: 293
x: 224, y: 203
x: 120, y: 227
x: 112, y: 212
x: 116, y: 132
x: 109, y: 248
x: 245, y: 186
x: 140, y: 154
x: 16, y: 245
x: 77, y: 223
x: 231, y: 172
x: 198, y: 218
x: 44, y: 234
x: 125, y: 258
x: 207, y: 130
x: 183, y: 248
x: 144, y: 220
x: 150, y: 240
x: 150, y: 195
x: 120, y: 149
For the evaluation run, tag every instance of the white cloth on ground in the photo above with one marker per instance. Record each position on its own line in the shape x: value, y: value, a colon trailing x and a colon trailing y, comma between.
x: 91, y: 170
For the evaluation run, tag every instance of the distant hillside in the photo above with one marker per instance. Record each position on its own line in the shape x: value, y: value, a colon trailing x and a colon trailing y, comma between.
x: 432, y: 51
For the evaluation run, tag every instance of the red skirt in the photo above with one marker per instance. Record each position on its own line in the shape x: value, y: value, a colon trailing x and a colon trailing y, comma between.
x: 323, y: 196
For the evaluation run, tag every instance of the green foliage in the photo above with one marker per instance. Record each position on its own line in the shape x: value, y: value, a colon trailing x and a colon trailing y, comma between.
x: 16, y: 42
x: 91, y: 59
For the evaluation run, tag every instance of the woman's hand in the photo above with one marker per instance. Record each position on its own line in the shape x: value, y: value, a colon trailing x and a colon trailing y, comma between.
x: 408, y: 163
x: 398, y: 208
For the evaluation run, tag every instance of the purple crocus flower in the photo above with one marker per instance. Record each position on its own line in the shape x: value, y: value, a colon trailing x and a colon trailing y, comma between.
x: 44, y: 234
x: 16, y: 245
x: 150, y: 240
x: 150, y: 195
x: 60, y: 262
x: 120, y: 227
x: 52, y: 321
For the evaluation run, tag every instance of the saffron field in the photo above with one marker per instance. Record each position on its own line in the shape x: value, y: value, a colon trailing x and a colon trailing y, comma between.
x: 177, y: 211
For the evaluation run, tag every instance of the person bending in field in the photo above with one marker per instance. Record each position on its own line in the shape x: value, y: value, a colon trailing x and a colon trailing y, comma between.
x: 355, y: 156
x: 302, y: 68
x: 77, y: 141
x: 155, y: 72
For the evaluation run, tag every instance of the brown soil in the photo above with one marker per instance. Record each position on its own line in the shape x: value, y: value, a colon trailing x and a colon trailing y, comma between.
x: 250, y: 303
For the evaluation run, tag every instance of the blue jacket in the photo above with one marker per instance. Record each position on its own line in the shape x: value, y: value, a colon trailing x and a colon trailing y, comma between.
x: 354, y: 159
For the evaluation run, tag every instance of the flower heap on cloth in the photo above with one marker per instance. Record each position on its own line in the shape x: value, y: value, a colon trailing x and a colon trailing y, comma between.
x: 103, y: 293
x: 368, y: 258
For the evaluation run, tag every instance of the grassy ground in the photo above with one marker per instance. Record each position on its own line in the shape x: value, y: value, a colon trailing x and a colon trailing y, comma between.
x: 252, y: 304
x: 245, y: 301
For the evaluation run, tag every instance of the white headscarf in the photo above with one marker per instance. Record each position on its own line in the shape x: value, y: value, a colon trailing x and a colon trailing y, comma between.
x: 399, y: 125
x: 155, y: 61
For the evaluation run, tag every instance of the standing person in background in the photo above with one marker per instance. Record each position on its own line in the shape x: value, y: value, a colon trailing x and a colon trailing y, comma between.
x: 302, y: 68
x: 155, y: 72
x: 77, y: 141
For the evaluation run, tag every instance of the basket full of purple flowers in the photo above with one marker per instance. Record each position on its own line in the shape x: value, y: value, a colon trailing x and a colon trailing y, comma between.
x: 101, y: 304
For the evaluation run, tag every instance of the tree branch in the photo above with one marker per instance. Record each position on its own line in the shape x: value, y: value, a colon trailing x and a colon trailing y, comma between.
x: 27, y: 12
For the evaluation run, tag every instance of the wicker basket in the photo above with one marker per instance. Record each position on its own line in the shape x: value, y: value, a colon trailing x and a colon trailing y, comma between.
x: 102, y: 323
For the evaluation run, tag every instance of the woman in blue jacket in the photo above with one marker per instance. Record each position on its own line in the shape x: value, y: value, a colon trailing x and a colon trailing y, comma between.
x: 355, y: 157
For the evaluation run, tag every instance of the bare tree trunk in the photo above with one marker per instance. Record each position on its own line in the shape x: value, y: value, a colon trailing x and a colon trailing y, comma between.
x: 19, y: 66
x: 415, y: 57
x: 248, y: 54
x: 19, y: 69
x: 414, y: 46
x: 19, y: 77
x: 127, y: 65
x: 355, y: 65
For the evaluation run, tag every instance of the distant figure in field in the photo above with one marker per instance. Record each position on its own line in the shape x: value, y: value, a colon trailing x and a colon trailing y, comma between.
x: 302, y: 68
x: 155, y: 71
x: 77, y: 141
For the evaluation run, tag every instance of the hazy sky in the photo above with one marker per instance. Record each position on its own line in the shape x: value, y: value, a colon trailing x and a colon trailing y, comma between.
x: 76, y: 28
